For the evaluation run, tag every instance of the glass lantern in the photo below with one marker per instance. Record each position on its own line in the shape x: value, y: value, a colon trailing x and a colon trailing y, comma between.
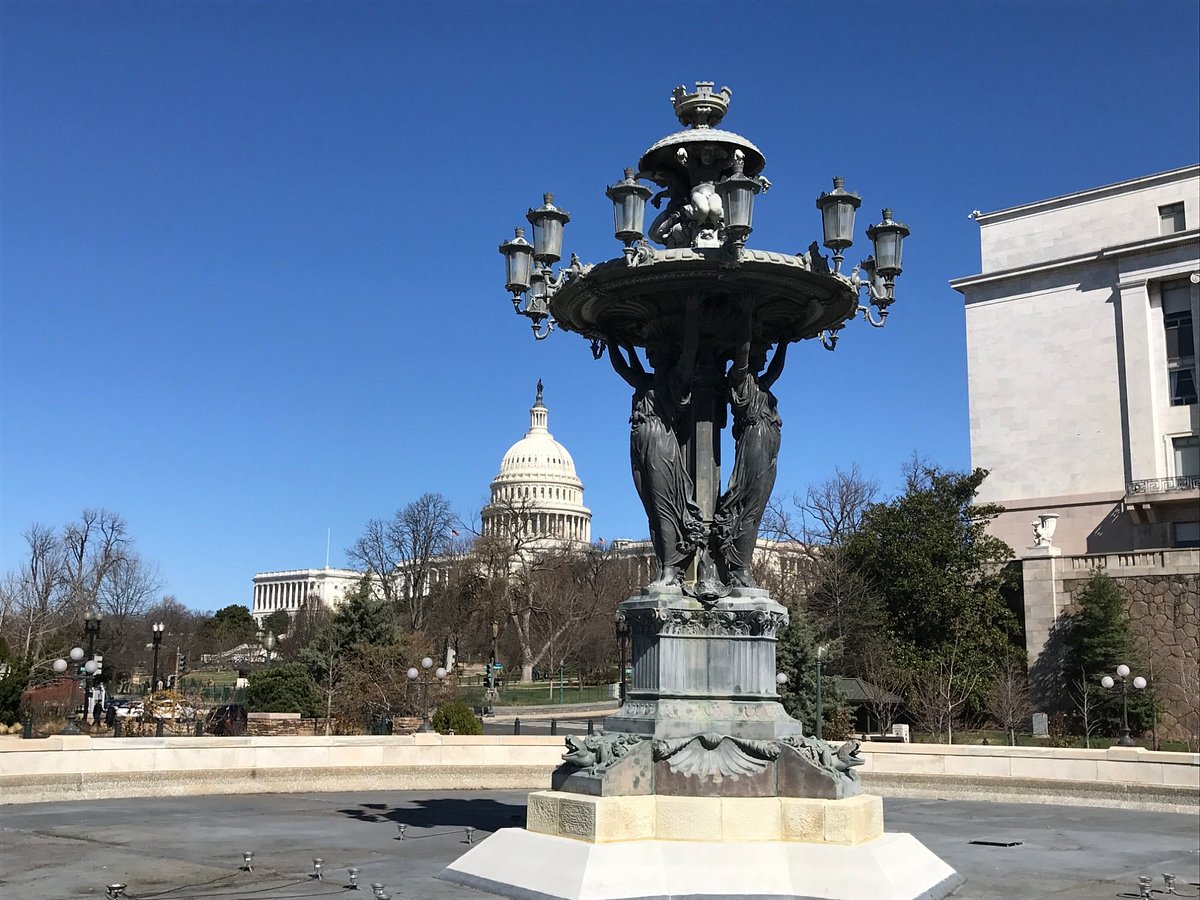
x: 629, y: 208
x: 837, y: 219
x: 888, y: 237
x: 518, y: 262
x: 737, y: 199
x: 547, y: 221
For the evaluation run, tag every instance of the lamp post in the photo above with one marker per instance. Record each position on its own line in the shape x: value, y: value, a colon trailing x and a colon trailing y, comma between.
x: 492, y: 693
x: 413, y: 675
x: 78, y: 673
x: 91, y: 630
x: 622, y: 645
x: 157, y: 629
x: 269, y: 646
x: 820, y: 716
x: 1123, y: 679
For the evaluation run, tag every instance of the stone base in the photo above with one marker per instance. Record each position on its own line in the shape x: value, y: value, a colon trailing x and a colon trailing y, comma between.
x: 522, y: 864
x: 600, y: 820
x: 674, y: 717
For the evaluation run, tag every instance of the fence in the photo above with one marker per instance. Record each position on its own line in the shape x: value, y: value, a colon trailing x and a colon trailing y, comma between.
x: 551, y: 692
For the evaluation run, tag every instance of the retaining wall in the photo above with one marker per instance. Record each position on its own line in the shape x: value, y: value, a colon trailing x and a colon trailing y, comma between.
x: 76, y: 768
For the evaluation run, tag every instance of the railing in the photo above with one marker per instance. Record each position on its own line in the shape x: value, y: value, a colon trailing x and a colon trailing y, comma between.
x: 1163, y: 485
x: 1136, y: 559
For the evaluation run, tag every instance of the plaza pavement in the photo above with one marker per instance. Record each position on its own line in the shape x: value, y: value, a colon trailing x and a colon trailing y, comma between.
x: 189, y: 848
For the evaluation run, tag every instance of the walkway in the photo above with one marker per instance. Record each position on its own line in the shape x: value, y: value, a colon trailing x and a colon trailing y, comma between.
x: 192, y: 846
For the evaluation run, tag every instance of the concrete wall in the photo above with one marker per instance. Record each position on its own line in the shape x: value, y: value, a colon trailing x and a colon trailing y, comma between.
x: 1162, y: 593
x: 75, y: 768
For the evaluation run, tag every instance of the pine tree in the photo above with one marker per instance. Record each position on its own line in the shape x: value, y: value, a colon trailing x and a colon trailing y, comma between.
x: 796, y: 657
x: 1098, y: 639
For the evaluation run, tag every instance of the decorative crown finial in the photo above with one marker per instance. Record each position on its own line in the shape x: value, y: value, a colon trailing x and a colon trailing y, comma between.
x: 703, y: 109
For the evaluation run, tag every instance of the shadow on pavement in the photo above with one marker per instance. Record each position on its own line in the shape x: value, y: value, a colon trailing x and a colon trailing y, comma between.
x: 450, y: 812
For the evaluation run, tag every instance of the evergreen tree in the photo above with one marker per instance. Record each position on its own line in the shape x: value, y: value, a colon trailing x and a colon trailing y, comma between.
x: 285, y: 688
x: 796, y: 657
x: 943, y: 579
x: 12, y: 686
x: 1098, y: 639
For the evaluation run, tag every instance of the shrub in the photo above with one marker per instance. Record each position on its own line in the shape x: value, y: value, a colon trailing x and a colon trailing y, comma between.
x: 285, y: 688
x: 12, y: 686
x: 457, y: 718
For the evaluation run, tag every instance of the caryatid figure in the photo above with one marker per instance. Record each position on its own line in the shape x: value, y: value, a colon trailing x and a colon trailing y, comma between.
x: 660, y: 402
x: 756, y: 434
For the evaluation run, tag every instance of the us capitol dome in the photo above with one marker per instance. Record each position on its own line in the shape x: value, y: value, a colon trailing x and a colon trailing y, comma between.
x: 537, y: 494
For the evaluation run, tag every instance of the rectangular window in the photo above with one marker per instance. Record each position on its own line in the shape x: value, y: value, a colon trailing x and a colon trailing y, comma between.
x: 1185, y: 534
x: 1170, y: 218
x: 1187, y: 455
x: 1181, y: 342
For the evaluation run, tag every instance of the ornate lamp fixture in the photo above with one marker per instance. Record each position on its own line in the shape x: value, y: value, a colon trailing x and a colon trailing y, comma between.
x: 710, y: 179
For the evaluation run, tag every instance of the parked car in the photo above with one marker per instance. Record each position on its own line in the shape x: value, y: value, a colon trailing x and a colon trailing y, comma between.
x: 227, y: 720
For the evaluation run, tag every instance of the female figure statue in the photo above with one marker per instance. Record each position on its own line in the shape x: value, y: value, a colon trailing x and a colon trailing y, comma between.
x: 756, y: 433
x: 660, y: 401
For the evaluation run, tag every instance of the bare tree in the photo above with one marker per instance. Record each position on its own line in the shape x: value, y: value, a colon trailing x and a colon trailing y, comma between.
x: 1008, y: 699
x: 886, y: 681
x: 325, y: 657
x: 404, y: 553
x: 94, y: 547
x: 38, y: 595
x: 1086, y: 699
x: 940, y: 692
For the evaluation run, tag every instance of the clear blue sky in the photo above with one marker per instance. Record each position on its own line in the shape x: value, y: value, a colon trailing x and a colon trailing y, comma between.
x: 250, y: 284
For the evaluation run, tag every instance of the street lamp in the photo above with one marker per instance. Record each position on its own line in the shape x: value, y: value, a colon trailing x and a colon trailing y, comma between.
x: 158, y: 629
x: 78, y: 673
x: 413, y: 674
x: 268, y: 646
x: 492, y: 694
x: 1123, y: 679
x: 820, y: 715
x: 622, y: 646
x: 91, y: 630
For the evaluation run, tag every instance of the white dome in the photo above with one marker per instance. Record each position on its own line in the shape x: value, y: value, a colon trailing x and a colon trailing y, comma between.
x: 537, y: 480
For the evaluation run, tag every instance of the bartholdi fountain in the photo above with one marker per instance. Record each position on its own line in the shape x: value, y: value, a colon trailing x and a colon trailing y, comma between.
x: 701, y: 785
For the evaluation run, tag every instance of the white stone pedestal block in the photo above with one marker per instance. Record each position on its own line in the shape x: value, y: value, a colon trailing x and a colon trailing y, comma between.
x: 522, y: 864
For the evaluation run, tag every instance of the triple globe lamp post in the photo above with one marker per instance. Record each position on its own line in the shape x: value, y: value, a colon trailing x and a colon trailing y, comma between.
x: 1123, y: 679
x: 80, y: 671
x: 414, y: 674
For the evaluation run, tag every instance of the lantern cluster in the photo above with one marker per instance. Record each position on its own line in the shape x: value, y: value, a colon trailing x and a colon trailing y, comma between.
x: 527, y: 266
x: 530, y: 280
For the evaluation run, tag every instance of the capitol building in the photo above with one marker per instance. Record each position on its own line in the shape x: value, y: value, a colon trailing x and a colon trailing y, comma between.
x: 537, y: 495
x: 536, y: 500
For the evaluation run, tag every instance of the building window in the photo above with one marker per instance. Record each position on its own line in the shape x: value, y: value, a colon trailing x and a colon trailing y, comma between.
x: 1181, y: 342
x: 1185, y: 534
x: 1170, y: 218
x: 1187, y: 455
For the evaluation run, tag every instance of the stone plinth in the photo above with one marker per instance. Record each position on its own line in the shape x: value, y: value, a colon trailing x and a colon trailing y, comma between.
x: 514, y: 862
x: 599, y: 820
x: 699, y: 668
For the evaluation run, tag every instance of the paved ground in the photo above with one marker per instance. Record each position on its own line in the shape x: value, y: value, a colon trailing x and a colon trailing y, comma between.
x: 190, y: 848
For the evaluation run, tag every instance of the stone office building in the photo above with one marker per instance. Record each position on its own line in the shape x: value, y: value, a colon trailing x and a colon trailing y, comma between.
x: 1082, y: 328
